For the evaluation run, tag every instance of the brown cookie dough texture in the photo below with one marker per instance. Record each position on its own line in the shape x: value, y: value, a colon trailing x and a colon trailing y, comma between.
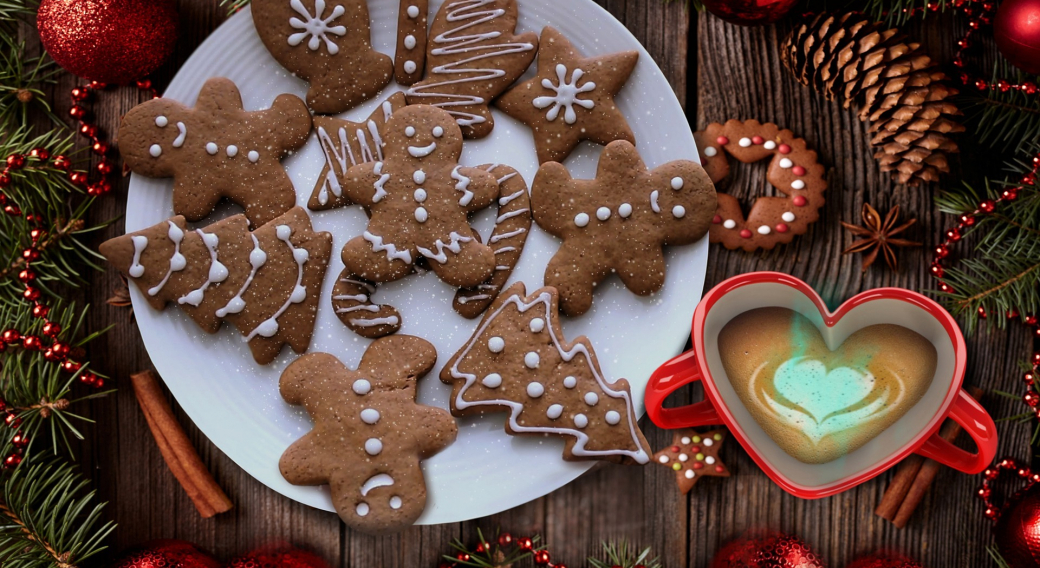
x: 266, y: 283
x: 793, y: 171
x: 473, y: 56
x: 518, y: 361
x: 327, y: 43
x: 218, y: 150
x: 619, y: 222
x: 410, y: 60
x: 571, y: 99
x: 370, y: 436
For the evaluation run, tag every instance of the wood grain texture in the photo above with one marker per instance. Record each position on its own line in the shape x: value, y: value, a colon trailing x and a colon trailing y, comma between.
x: 719, y: 71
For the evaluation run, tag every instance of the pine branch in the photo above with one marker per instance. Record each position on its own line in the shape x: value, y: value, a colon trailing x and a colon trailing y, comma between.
x: 233, y: 6
x: 1008, y: 122
x: 21, y: 82
x: 994, y: 553
x: 618, y: 554
x: 12, y: 10
x: 899, y: 12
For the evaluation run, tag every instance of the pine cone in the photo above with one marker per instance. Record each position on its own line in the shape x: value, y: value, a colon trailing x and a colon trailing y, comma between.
x: 893, y: 83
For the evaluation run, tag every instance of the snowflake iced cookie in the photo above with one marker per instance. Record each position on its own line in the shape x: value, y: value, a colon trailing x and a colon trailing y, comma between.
x: 793, y: 171
x: 518, y: 361
x: 266, y: 282
x: 473, y: 55
x: 410, y: 59
x: 345, y: 145
x: 218, y: 150
x: 370, y: 435
x: 618, y: 222
x: 571, y: 99
x: 327, y: 43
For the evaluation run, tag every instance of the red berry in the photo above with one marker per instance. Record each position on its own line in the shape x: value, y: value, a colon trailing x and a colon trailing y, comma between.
x: 1028, y: 379
x: 40, y: 153
x: 104, y: 167
x: 11, y: 336
x: 40, y: 311
x: 71, y: 366
x: 32, y: 343
x: 31, y: 294
x: 19, y: 440
x: 100, y: 148
x: 88, y: 130
x: 541, y: 557
x: 62, y: 163
x: 504, y: 539
x: 100, y: 187
x: 13, y: 420
x: 51, y: 329
x: 80, y: 94
x: 78, y: 179
x: 26, y: 276
x: 12, y: 461
x: 61, y: 349
x: 78, y: 112
x: 16, y: 161
x: 524, y: 543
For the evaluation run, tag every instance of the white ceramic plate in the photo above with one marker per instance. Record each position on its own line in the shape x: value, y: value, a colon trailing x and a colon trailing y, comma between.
x: 236, y: 402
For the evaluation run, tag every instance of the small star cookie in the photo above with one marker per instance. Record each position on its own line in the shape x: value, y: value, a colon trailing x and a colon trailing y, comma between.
x: 693, y: 456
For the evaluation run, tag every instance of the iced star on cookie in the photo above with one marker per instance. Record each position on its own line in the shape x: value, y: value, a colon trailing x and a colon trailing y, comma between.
x: 572, y: 98
x: 693, y: 456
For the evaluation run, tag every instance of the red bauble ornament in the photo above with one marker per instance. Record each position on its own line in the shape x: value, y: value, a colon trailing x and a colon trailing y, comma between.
x: 884, y: 560
x: 166, y: 554
x: 1016, y: 29
x: 767, y: 550
x: 110, y: 41
x: 1018, y: 529
x: 278, y: 557
x: 750, y: 12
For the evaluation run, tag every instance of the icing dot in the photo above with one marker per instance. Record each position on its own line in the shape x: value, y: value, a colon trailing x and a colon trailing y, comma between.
x: 373, y: 446
x: 410, y: 131
x: 685, y: 440
x: 581, y: 219
x: 161, y: 121
x: 710, y: 151
x: 419, y: 177
x: 798, y: 171
x: 757, y: 139
x: 769, y: 145
x: 663, y: 459
x: 570, y: 382
x: 370, y: 416
x: 409, y: 41
x: 555, y: 411
x: 395, y: 502
x: 537, y: 325
x: 410, y: 67
x: 683, y: 457
x: 421, y: 215
x: 678, y: 183
x: 253, y: 156
x: 709, y: 460
x: 531, y: 360
x: 799, y: 201
x: 676, y: 466
x: 689, y: 474
x: 413, y: 12
x: 625, y: 210
x: 786, y: 163
x: 744, y: 142
x: 362, y: 387
x: 232, y: 151
x: 722, y: 140
x: 678, y: 211
x: 419, y: 195
x: 155, y: 150
x: 283, y: 232
x: 797, y: 184
x: 535, y: 390
x: 603, y: 213
x: 591, y: 398
x: 581, y: 421
x: 764, y: 230
x: 492, y: 381
x: 362, y: 509
x: 438, y: 131
x: 708, y: 442
x: 788, y: 216
x: 746, y: 234
x: 211, y: 148
x: 784, y: 149
x: 613, y: 417
x: 782, y: 228
x: 729, y: 224
x: 496, y: 344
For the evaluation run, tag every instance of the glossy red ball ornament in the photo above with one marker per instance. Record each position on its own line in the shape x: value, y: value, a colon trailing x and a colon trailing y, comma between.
x: 884, y: 560
x: 750, y: 12
x: 166, y: 554
x: 278, y: 557
x: 767, y: 550
x: 1016, y: 29
x: 111, y: 41
x: 1017, y: 530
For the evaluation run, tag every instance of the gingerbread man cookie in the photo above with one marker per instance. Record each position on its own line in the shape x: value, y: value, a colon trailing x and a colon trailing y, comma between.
x: 571, y: 99
x: 793, y: 171
x: 370, y: 436
x: 218, y: 150
x: 327, y: 43
x: 619, y: 222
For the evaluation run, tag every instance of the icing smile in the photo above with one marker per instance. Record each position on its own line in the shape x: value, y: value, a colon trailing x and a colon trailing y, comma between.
x: 422, y: 151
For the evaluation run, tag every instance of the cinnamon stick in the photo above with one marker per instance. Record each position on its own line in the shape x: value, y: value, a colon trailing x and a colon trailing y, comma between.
x: 176, y: 448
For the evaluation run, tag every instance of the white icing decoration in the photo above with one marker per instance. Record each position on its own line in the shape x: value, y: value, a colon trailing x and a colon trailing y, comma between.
x: 391, y: 250
x: 684, y: 457
x: 217, y: 271
x: 544, y: 301
x: 729, y: 224
x: 253, y: 156
x: 531, y: 360
x: 299, y: 293
x: 373, y: 446
x: 177, y: 260
x: 710, y: 151
x: 603, y: 213
x: 410, y: 67
x: 581, y: 219
x: 454, y: 245
x: 502, y: 202
x: 786, y: 163
x: 708, y: 442
x: 678, y: 183
x: 689, y: 474
x: 422, y: 215
x: 554, y: 411
x: 343, y: 155
x: 211, y: 148
x: 535, y: 389
x: 788, y: 217
x: 316, y: 26
x: 764, y: 230
x: 419, y: 195
x: 410, y: 131
x: 566, y: 95
x: 496, y: 344
x: 370, y: 416
x: 136, y: 268
x: 438, y: 131
x: 155, y: 150
x: 232, y: 151
x: 581, y: 421
x: 380, y: 184
x: 685, y: 440
x: 257, y: 258
x: 395, y: 502
x: 409, y: 41
x: 663, y: 459
x: 709, y: 460
x: 374, y: 322
x: 377, y: 480
x: 769, y: 145
x: 362, y: 509
x: 591, y: 398
x: 419, y: 177
x: 653, y: 201
x: 182, y: 133
x: 462, y: 184
x: 492, y: 381
x: 625, y: 210
x: 744, y: 142
x: 361, y: 387
x: 678, y: 211
x: 537, y: 325
x: 161, y: 121
x: 466, y: 14
x: 413, y: 12
x: 510, y: 215
x: 797, y: 184
x: 613, y: 417
x: 422, y: 151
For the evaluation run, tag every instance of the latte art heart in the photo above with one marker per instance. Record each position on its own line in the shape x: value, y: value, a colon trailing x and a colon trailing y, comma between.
x: 819, y: 405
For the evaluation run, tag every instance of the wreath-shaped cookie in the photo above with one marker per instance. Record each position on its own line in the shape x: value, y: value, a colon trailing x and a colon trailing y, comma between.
x: 793, y: 171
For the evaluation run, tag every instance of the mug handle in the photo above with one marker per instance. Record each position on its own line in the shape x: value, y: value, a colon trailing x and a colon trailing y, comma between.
x: 967, y: 412
x: 667, y: 379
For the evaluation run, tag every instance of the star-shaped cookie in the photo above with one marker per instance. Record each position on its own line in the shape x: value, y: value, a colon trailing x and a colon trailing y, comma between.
x: 572, y: 98
x: 693, y: 456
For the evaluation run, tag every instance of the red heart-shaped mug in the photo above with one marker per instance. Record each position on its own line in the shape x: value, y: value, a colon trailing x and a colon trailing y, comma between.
x: 915, y: 432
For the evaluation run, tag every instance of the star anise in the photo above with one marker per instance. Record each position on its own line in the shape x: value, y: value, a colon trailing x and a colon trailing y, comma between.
x: 121, y: 298
x: 877, y: 236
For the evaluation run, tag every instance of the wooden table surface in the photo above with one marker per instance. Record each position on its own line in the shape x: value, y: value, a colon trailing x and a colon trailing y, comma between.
x: 719, y: 71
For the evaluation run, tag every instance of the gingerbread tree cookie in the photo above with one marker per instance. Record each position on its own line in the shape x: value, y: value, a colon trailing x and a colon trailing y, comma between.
x: 619, y: 222
x: 218, y: 150
x: 266, y: 283
x: 518, y: 361
x: 347, y: 144
x: 571, y: 99
x: 473, y: 56
x: 693, y: 456
x: 329, y: 44
x: 370, y: 436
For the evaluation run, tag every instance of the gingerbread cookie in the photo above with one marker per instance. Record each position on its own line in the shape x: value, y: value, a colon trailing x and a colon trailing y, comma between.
x: 410, y: 60
x: 327, y: 43
x: 370, y: 436
x: 619, y: 222
x: 693, y: 456
x: 571, y: 99
x: 218, y: 150
x: 473, y: 56
x: 347, y: 144
x: 519, y: 361
x: 793, y: 171
x: 266, y: 283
